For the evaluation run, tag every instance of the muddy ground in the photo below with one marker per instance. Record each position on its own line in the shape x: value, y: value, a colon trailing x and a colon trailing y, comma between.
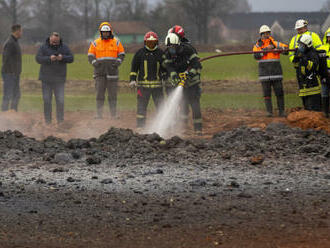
x: 250, y: 181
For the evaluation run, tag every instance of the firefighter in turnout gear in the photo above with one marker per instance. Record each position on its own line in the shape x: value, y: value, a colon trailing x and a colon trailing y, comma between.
x: 307, y: 64
x: 270, y: 70
x: 179, y: 31
x: 106, y: 54
x: 147, y: 74
x: 301, y: 27
x: 326, y: 81
x: 179, y: 58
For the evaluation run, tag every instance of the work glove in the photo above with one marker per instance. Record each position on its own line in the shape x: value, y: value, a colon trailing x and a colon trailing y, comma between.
x: 284, y: 52
x: 191, y: 73
x: 324, y: 81
x: 118, y: 62
x: 174, y: 79
x: 270, y: 47
x: 258, y: 56
x: 132, y: 84
x: 95, y: 63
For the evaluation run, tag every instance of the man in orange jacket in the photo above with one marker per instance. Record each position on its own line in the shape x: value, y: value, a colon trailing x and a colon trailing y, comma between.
x: 270, y: 70
x: 106, y: 54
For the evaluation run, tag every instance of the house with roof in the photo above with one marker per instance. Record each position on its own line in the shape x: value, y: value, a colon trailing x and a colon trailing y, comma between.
x: 130, y: 32
x: 244, y: 27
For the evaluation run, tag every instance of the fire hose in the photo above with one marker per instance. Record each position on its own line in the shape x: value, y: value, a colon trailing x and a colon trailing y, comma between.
x: 183, y: 76
x: 246, y: 52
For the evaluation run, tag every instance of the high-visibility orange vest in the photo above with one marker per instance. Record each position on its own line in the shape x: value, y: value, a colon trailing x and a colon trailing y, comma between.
x: 269, y: 65
x: 266, y: 43
x: 108, y: 49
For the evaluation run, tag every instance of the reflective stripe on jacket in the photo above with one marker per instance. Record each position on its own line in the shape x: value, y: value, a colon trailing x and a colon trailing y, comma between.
x: 317, y: 43
x: 269, y: 63
x: 326, y: 46
x: 147, y: 68
x: 307, y: 74
x: 108, y: 55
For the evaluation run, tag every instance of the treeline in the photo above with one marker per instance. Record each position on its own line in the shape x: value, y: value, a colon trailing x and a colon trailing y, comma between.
x: 77, y: 20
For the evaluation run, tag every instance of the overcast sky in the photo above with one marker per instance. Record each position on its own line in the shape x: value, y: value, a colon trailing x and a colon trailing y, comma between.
x: 280, y: 5
x: 286, y: 5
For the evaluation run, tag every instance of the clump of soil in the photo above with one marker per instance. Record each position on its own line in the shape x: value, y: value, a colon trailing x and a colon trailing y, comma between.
x: 309, y: 119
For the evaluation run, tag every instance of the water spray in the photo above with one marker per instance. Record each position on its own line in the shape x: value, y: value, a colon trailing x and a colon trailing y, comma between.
x: 167, y: 120
x: 167, y: 117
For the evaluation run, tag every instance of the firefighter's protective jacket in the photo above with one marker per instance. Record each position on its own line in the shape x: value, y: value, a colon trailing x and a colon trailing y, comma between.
x: 147, y: 68
x: 307, y: 73
x: 185, y: 60
x: 326, y: 47
x: 269, y: 63
x: 106, y: 55
x: 317, y: 43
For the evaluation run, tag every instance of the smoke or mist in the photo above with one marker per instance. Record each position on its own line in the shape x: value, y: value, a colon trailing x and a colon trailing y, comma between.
x: 167, y: 118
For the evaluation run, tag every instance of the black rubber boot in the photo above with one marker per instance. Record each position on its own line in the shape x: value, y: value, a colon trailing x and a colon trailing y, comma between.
x: 198, y: 129
x: 140, y: 122
x: 269, y: 107
x: 280, y: 106
x: 325, y: 103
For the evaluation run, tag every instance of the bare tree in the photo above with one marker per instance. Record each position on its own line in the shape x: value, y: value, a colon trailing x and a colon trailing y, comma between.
x: 109, y: 7
x: 97, y: 12
x: 241, y: 6
x: 199, y: 12
x: 16, y: 10
x: 326, y: 6
x: 133, y: 10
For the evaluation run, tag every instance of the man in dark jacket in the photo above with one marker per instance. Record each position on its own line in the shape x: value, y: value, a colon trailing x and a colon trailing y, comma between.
x: 182, y: 59
x: 53, y: 56
x: 11, y: 69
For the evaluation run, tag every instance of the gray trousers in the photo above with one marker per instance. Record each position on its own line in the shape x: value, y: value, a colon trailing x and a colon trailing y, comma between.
x: 111, y: 86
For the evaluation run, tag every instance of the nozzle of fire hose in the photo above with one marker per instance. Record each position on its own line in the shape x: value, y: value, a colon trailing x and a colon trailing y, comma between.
x: 183, y: 78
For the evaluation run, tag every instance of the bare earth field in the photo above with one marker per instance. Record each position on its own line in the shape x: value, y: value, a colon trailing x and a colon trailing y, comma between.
x: 249, y: 181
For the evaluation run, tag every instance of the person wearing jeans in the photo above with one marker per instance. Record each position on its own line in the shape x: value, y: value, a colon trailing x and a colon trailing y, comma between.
x: 53, y: 56
x: 48, y: 88
x: 11, y: 69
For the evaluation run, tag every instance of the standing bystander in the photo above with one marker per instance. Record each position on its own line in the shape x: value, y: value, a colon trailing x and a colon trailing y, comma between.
x: 53, y: 56
x: 270, y: 69
x: 106, y: 54
x: 11, y: 69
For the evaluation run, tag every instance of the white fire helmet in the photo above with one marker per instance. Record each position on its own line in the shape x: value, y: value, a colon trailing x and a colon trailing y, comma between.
x: 300, y: 24
x: 264, y: 29
x: 306, y: 40
x: 172, y: 39
x: 105, y: 28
